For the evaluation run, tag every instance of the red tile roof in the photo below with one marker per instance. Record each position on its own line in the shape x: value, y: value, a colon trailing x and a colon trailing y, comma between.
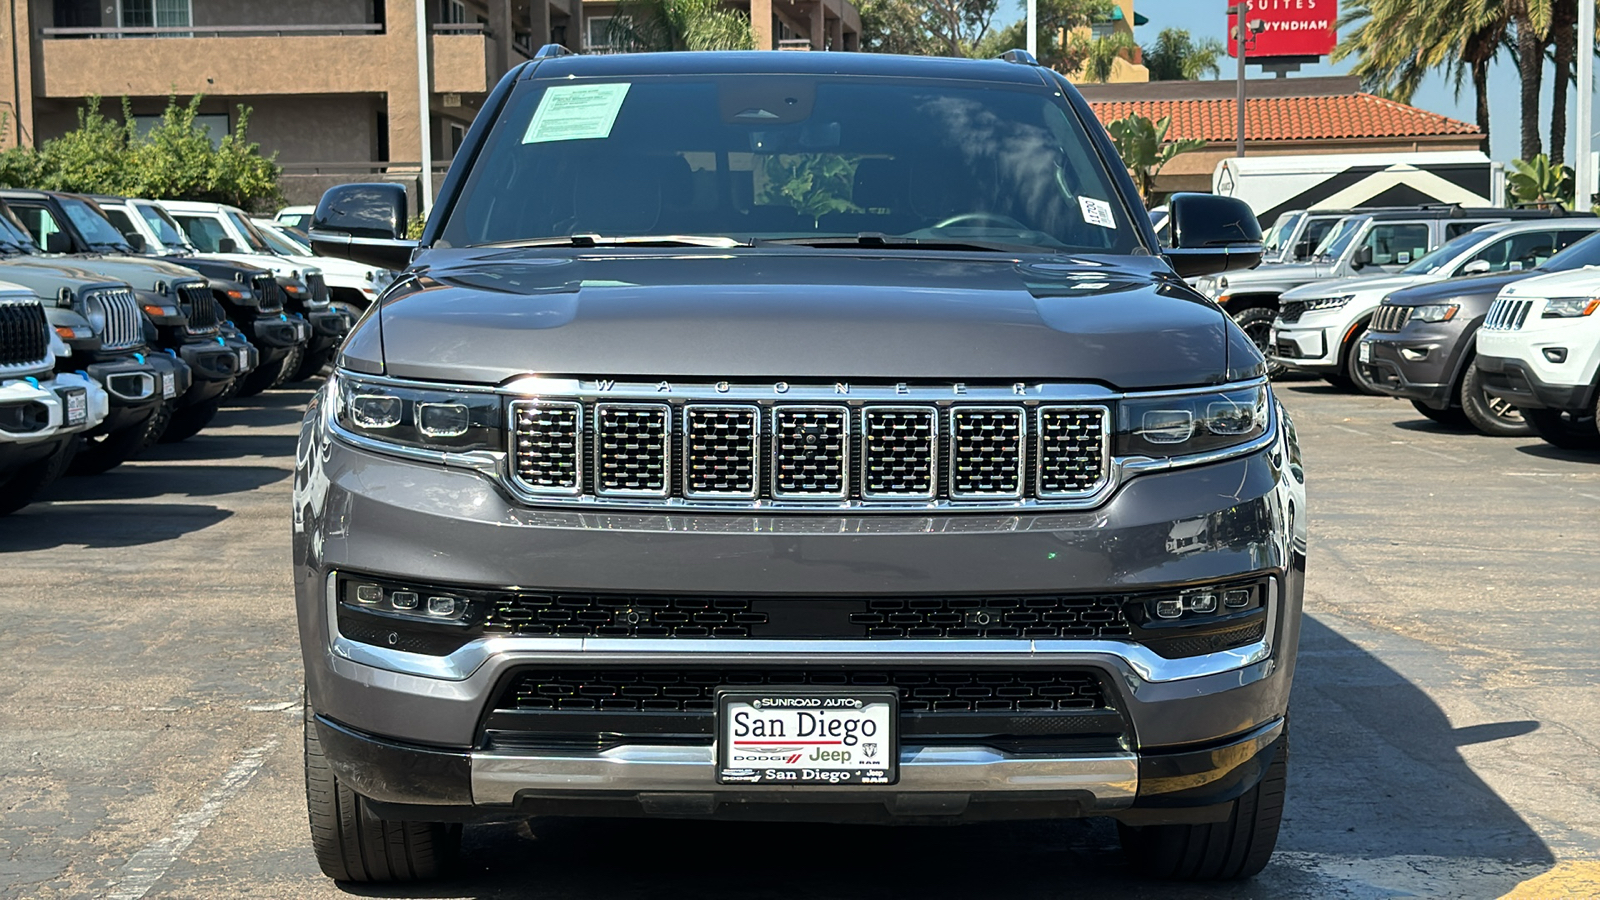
x: 1289, y: 118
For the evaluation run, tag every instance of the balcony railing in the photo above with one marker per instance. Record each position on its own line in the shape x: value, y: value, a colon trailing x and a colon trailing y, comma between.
x: 213, y: 31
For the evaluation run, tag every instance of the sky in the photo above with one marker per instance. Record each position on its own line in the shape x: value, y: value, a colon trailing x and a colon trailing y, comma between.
x: 1207, y: 18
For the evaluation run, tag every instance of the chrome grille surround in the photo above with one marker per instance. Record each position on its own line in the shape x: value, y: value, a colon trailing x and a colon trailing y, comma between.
x: 124, y: 328
x: 546, y: 442
x: 899, y: 449
x: 811, y: 452
x: 720, y: 456
x: 632, y: 449
x: 1084, y: 481
x: 1507, y: 314
x: 986, y: 451
x: 1391, y: 318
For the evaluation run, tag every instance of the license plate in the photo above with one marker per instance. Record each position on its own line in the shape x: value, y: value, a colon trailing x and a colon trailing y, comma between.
x: 1364, y: 352
x: 244, y: 360
x: 169, y: 385
x: 807, y: 736
x: 77, y: 406
x: 1272, y: 337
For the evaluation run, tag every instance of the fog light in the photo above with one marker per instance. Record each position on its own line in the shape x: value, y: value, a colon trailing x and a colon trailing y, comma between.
x: 368, y: 593
x: 442, y: 607
x: 1169, y: 608
x: 1556, y: 354
x: 1167, y: 426
x: 442, y: 419
x: 1236, y: 598
x: 1202, y: 602
x: 403, y: 600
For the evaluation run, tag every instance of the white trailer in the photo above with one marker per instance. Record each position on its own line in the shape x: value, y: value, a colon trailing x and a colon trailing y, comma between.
x: 1272, y: 184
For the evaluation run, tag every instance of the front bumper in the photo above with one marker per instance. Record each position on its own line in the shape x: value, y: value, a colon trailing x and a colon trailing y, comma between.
x: 329, y: 324
x: 1420, y: 362
x: 1305, y: 348
x: 1517, y: 383
x: 364, y: 512
x: 280, y: 332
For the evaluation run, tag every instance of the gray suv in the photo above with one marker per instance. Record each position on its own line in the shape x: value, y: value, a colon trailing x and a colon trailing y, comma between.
x: 794, y: 436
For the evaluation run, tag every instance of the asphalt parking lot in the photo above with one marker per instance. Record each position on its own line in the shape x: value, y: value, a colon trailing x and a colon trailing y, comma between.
x: 1446, y: 717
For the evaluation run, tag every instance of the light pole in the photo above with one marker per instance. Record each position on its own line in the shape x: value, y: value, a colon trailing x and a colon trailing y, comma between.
x: 1585, y: 167
x: 1243, y: 33
x: 425, y: 199
x: 1033, y: 28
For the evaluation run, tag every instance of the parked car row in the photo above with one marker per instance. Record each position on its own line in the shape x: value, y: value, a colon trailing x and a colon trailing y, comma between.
x: 124, y: 322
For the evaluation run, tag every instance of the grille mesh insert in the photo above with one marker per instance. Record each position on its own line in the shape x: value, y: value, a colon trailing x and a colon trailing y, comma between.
x: 1072, y: 443
x: 994, y: 617
x: 809, y: 458
x: 898, y: 452
x: 632, y: 445
x: 582, y: 615
x: 545, y: 448
x: 24, y: 334
x: 986, y: 452
x: 921, y: 690
x: 720, y: 451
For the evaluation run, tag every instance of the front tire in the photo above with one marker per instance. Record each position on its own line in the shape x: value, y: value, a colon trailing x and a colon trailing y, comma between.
x: 102, y: 453
x: 1490, y: 414
x: 1354, y: 373
x: 354, y: 845
x: 1564, y: 430
x: 187, y: 422
x: 1235, y: 848
x: 1256, y: 323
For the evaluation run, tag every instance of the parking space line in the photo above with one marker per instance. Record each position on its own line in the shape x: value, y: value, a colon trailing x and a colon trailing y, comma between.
x: 147, y: 867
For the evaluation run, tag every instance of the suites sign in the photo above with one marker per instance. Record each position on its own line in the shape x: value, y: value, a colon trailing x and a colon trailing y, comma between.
x: 1289, y: 28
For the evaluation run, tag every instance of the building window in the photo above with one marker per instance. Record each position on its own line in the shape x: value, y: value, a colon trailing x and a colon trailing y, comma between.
x: 454, y: 12
x: 599, y: 32
x: 1106, y: 29
x: 458, y: 135
x: 155, y: 14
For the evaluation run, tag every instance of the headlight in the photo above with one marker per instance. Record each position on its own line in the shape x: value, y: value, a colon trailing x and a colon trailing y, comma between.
x: 95, y: 311
x: 1319, y: 303
x: 443, y: 419
x: 1570, y: 308
x: 1222, y: 283
x: 1188, y: 424
x: 1434, y: 312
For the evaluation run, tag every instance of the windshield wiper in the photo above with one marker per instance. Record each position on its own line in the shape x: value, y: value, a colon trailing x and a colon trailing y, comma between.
x: 878, y: 239
x: 637, y: 240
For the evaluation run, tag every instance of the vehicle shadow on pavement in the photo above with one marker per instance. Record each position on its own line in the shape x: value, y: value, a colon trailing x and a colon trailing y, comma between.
x: 135, y: 482
x: 280, y: 407
x: 1378, y: 792
x: 44, y: 525
x: 1550, y: 451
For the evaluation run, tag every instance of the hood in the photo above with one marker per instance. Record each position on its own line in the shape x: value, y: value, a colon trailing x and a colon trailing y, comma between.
x: 276, y: 264
x: 223, y: 269
x: 1292, y: 273
x: 47, y: 276
x: 1325, y: 287
x: 142, y: 272
x: 797, y: 315
x: 1584, y: 282
x: 1486, y: 286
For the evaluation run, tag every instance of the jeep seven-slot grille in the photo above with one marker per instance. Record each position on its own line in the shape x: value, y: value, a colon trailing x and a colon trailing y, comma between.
x: 24, y: 333
x: 124, y: 322
x: 694, y: 690
x: 318, y: 287
x: 1507, y: 315
x: 799, y: 452
x: 199, y: 308
x: 1391, y: 318
x: 269, y: 294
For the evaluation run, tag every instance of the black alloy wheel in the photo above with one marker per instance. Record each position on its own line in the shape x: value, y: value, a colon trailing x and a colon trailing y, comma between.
x: 1487, y: 413
x: 1256, y: 323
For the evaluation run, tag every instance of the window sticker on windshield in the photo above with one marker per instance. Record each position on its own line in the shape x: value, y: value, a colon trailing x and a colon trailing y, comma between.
x: 1097, y: 212
x: 1403, y: 258
x: 575, y: 112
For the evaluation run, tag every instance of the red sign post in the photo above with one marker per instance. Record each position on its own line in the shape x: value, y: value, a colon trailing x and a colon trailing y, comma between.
x: 1287, y: 28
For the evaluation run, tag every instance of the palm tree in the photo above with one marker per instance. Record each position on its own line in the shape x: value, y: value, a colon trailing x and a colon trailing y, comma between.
x: 1564, y: 40
x: 1532, y: 20
x: 1100, y: 55
x: 1175, y: 55
x: 660, y: 25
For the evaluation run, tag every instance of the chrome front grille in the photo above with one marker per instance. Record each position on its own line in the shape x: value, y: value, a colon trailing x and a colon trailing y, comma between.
x: 897, y: 456
x: 199, y: 308
x: 1391, y: 318
x: 720, y: 459
x: 810, y: 454
x: 1507, y: 314
x: 271, y: 296
x: 124, y: 323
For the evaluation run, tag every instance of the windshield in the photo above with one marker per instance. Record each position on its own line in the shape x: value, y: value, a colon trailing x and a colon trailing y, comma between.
x: 252, y: 237
x: 96, y: 231
x: 796, y: 157
x: 1432, y: 262
x: 280, y: 245
x: 1583, y: 253
x: 1281, y: 231
x: 166, y: 230
x: 1338, y: 240
x: 13, y: 236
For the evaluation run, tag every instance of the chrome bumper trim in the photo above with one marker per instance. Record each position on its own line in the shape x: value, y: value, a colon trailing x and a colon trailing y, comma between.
x: 1112, y: 779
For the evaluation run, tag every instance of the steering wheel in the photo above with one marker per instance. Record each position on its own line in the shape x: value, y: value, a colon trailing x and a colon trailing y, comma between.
x: 995, y: 218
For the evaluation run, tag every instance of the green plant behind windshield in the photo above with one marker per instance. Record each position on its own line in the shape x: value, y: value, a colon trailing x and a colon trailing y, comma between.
x: 812, y: 184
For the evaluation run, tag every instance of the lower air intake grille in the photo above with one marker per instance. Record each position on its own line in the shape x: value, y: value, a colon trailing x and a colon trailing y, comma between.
x: 24, y: 333
x: 921, y: 690
x: 583, y: 615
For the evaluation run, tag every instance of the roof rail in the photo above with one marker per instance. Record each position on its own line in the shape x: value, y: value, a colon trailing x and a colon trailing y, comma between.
x: 1020, y: 57
x: 551, y: 51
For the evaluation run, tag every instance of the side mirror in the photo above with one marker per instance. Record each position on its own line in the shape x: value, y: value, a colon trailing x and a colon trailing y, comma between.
x: 1362, y: 258
x: 229, y: 245
x: 363, y: 222
x: 57, y: 242
x: 1212, y: 234
x: 1476, y: 267
x: 136, y: 240
x: 1305, y: 248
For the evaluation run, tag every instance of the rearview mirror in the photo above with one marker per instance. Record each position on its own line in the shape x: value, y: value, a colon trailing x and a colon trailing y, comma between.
x: 1212, y: 234
x: 1476, y: 267
x: 363, y: 222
